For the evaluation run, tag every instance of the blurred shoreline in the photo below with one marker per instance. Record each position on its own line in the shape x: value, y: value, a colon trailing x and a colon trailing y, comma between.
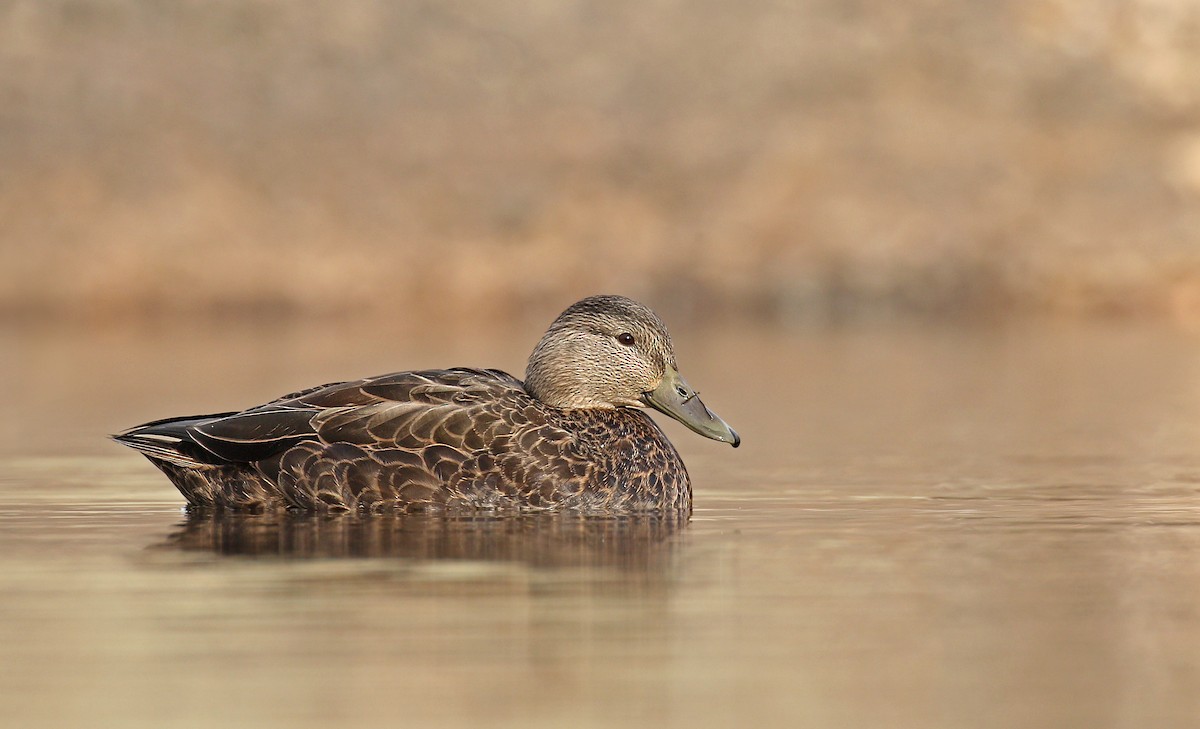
x: 463, y: 161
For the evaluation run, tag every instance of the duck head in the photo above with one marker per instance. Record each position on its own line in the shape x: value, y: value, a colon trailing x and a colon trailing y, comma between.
x: 609, y: 352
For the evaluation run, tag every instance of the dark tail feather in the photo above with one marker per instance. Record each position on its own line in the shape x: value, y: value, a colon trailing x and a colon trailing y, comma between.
x: 169, y: 440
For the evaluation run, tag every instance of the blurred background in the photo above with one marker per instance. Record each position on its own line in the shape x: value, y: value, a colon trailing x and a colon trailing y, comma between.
x: 469, y: 159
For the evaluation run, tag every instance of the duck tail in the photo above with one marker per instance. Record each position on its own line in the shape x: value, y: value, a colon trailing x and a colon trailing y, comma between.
x: 169, y: 441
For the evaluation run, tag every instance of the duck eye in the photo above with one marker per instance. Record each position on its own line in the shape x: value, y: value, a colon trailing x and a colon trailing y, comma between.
x: 625, y: 338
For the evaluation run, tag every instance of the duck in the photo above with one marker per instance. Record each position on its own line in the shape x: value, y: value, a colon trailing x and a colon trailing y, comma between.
x: 573, y: 436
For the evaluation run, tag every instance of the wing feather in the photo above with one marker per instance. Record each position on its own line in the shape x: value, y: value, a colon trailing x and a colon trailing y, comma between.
x: 253, y: 435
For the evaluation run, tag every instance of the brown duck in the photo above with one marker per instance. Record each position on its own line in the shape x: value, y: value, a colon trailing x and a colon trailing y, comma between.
x: 572, y: 436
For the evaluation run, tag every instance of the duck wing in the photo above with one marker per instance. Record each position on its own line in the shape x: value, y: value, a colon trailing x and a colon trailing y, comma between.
x: 460, y: 409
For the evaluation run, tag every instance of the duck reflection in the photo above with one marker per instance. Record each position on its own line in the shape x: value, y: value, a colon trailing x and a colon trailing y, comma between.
x: 540, y: 540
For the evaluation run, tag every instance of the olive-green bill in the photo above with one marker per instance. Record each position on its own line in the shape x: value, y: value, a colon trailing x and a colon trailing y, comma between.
x: 675, y: 397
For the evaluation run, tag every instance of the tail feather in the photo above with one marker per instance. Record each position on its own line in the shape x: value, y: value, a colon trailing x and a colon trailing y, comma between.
x: 169, y: 440
x: 161, y: 448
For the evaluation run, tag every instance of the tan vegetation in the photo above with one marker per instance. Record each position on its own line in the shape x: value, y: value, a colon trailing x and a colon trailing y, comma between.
x: 777, y: 158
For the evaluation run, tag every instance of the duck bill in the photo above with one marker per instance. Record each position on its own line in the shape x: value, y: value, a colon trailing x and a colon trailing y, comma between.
x: 675, y: 397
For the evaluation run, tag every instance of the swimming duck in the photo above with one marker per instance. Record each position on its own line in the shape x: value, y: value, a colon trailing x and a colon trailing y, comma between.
x: 572, y: 436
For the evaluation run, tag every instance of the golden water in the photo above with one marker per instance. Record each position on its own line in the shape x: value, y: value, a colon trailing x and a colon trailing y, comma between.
x: 993, y: 526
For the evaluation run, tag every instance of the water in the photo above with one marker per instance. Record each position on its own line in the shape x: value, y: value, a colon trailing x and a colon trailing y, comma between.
x: 987, y: 526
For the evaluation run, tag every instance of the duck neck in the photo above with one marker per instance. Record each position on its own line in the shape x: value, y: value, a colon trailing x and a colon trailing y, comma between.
x: 558, y: 377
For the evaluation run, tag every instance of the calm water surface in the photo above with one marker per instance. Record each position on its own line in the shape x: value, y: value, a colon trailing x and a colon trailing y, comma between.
x: 926, y: 527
